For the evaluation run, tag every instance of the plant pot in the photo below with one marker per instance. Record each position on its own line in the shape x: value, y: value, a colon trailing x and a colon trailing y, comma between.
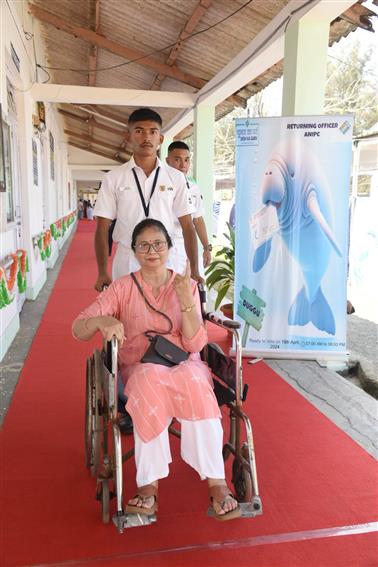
x: 227, y: 310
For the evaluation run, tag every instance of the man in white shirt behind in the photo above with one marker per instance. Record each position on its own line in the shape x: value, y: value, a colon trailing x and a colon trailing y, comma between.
x: 142, y: 187
x: 179, y: 158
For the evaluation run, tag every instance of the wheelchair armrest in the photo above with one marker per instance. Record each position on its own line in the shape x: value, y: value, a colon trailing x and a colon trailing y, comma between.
x: 219, y: 319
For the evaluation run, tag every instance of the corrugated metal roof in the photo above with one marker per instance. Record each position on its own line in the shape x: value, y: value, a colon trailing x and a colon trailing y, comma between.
x: 152, y: 27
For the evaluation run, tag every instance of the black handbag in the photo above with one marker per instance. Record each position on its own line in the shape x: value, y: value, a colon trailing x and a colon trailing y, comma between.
x: 161, y: 350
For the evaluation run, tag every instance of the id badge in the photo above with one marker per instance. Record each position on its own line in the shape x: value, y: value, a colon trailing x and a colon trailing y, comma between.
x: 264, y: 223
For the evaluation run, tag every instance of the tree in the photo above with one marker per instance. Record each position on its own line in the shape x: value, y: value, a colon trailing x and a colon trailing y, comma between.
x: 352, y: 85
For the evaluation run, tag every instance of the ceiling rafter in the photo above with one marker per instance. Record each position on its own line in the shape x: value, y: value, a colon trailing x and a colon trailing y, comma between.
x: 198, y: 12
x: 94, y: 109
x: 96, y: 124
x: 93, y: 49
x: 128, y: 53
x: 107, y: 115
x: 87, y: 148
x: 95, y: 141
x: 237, y: 100
x: 354, y: 15
x: 188, y: 29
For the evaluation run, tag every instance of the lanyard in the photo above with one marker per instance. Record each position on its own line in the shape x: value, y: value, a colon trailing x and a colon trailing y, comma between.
x: 146, y: 207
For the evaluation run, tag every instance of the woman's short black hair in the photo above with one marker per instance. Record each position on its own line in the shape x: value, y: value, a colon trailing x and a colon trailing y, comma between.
x: 148, y: 223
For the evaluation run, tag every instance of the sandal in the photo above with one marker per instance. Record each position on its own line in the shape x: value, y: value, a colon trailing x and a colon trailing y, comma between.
x: 144, y: 492
x: 220, y: 494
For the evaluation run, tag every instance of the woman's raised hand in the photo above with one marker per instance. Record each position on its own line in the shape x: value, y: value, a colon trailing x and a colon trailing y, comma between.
x: 110, y: 327
x: 183, y: 286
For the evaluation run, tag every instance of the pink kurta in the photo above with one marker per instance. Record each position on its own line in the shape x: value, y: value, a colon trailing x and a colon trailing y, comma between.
x: 157, y: 393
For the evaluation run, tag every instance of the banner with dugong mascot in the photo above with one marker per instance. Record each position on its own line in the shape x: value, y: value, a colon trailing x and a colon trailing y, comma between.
x: 292, y: 185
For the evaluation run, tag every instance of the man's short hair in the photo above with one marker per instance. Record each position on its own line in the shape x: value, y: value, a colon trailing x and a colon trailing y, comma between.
x: 145, y: 114
x: 178, y: 145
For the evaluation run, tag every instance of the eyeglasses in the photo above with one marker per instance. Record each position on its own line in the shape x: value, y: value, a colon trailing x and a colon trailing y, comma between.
x: 145, y: 247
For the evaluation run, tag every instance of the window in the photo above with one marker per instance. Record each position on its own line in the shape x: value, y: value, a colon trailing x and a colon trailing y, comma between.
x: 8, y: 171
x: 35, y: 162
x: 15, y: 57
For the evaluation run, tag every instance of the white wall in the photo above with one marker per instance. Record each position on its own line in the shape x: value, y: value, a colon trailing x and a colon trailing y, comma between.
x: 47, y: 201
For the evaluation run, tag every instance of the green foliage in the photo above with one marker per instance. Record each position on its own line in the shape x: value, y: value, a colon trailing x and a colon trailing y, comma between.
x: 220, y: 274
x: 352, y: 85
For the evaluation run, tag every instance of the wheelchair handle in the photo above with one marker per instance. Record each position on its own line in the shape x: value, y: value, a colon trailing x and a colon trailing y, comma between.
x: 114, y: 351
x: 218, y: 318
x: 202, y: 295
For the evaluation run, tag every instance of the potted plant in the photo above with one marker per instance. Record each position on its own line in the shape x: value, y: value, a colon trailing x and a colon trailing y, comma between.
x: 220, y: 274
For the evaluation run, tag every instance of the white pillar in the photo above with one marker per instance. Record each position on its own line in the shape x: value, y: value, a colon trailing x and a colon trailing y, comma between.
x: 203, y: 159
x: 163, y: 152
x: 305, y: 66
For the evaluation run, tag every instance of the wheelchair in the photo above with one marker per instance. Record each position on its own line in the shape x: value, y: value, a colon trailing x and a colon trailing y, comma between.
x: 103, y: 445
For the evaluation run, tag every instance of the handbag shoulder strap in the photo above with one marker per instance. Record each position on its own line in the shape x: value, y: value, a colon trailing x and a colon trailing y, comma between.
x: 153, y: 309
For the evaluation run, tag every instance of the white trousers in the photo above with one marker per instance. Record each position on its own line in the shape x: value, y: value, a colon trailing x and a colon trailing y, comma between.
x: 201, y: 448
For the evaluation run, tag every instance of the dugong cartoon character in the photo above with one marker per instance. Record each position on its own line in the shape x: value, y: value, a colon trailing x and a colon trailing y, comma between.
x: 294, y: 183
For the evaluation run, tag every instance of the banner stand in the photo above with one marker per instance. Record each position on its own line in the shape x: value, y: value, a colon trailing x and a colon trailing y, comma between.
x: 292, y: 191
x: 296, y: 355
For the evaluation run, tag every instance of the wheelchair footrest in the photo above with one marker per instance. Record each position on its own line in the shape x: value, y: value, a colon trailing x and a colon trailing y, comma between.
x: 122, y: 521
x: 251, y: 509
x: 248, y: 509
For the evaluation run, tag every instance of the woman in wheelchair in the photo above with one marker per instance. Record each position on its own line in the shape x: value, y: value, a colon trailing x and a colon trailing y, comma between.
x: 157, y: 393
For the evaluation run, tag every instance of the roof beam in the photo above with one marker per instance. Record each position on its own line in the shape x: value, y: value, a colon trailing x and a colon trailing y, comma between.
x: 95, y: 141
x: 188, y: 29
x: 97, y: 152
x: 88, y: 109
x: 126, y: 52
x: 105, y: 114
x: 355, y: 16
x: 93, y: 50
x: 237, y: 100
x: 261, y: 53
x: 95, y: 18
x: 113, y: 97
x: 94, y: 122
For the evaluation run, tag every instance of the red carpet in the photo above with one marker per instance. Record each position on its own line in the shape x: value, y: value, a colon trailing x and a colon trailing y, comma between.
x: 312, y: 476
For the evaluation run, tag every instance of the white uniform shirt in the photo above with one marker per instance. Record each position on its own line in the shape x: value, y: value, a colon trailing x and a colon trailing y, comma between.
x: 196, y: 210
x: 195, y: 205
x: 119, y: 199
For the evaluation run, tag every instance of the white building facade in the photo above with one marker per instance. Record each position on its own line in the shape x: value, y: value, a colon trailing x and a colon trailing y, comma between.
x: 37, y: 193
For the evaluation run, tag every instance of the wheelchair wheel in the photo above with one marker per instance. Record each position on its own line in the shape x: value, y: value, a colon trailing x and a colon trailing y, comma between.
x: 88, y: 414
x: 241, y: 478
x: 93, y: 414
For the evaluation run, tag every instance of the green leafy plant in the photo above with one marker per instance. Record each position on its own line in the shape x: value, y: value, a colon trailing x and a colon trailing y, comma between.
x: 220, y: 274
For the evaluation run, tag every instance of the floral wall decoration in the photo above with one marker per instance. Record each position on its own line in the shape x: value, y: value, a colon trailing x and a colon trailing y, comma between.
x: 17, y: 272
